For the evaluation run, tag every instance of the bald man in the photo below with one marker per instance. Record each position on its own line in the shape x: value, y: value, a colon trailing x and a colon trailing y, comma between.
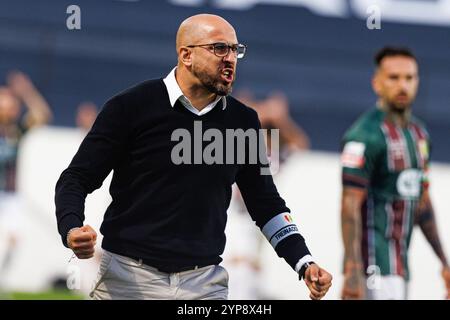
x: 164, y: 230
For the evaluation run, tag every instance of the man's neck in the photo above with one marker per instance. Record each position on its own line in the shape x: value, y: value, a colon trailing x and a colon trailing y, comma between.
x: 400, y: 118
x: 197, y: 94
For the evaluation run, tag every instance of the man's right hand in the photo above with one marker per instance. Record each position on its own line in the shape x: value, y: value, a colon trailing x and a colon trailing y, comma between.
x: 82, y: 241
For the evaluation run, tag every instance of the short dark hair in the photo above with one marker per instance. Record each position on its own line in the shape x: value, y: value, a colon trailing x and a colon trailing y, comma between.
x: 390, y: 51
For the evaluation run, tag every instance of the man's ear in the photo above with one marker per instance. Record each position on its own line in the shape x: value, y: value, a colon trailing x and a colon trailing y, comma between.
x: 185, y: 56
x: 376, y: 83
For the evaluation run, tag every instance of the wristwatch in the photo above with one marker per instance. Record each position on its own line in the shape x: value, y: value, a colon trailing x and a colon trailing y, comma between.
x: 301, y: 272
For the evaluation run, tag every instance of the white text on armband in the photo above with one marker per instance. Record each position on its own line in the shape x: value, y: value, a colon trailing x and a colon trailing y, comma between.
x: 279, y: 227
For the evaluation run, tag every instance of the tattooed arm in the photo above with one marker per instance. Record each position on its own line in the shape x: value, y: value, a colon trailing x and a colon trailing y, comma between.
x: 425, y: 218
x: 354, y: 279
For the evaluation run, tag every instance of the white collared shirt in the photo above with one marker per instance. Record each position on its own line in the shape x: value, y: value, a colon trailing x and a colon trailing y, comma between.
x: 175, y: 94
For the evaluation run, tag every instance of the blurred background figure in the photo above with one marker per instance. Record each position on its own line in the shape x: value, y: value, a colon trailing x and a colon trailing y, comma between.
x: 13, y: 125
x: 242, y: 256
x: 273, y: 113
x: 385, y: 185
x: 86, y: 114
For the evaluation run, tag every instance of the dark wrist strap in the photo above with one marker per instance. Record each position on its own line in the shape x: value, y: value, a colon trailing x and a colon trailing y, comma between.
x: 301, y: 272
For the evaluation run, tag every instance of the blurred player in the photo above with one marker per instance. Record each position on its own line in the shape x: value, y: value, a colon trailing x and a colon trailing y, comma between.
x: 19, y: 90
x: 273, y: 113
x: 243, y: 252
x: 86, y: 114
x: 385, y: 160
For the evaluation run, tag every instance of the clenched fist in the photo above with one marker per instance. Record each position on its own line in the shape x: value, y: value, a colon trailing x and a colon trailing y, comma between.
x: 318, y: 281
x: 82, y: 241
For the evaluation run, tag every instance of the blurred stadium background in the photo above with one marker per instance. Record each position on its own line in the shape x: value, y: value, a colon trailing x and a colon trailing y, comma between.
x: 318, y: 52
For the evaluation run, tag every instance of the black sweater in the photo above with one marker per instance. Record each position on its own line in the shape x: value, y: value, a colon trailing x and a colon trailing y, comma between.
x: 165, y: 213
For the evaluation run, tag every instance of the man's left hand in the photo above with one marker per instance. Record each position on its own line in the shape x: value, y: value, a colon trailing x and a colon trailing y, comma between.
x: 318, y: 281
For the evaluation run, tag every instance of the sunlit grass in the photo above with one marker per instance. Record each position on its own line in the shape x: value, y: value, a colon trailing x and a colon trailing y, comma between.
x: 46, y: 295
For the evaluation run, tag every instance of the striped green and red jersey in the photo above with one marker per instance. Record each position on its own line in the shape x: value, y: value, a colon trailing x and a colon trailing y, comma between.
x: 391, y: 163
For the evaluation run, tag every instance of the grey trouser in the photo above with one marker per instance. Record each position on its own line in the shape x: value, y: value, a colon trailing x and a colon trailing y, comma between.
x: 121, y: 277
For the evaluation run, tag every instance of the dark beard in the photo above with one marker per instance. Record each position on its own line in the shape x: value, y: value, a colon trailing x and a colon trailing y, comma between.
x: 212, y: 85
x: 399, y: 109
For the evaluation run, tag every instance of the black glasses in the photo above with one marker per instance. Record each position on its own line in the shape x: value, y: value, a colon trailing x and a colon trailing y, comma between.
x: 222, y: 49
